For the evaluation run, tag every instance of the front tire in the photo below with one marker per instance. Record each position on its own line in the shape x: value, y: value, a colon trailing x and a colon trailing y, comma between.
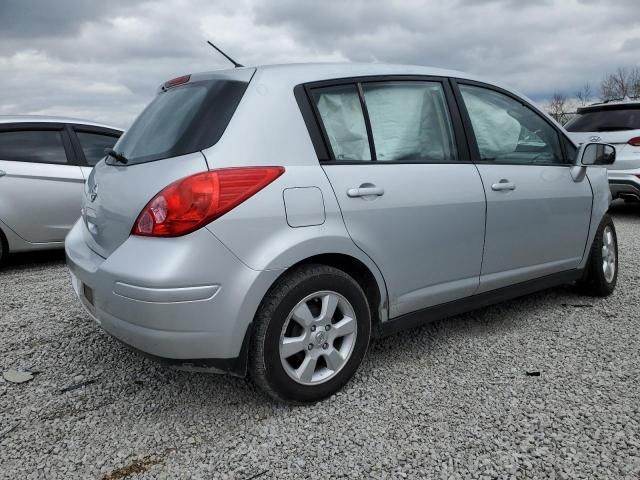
x: 601, y: 274
x: 311, y: 334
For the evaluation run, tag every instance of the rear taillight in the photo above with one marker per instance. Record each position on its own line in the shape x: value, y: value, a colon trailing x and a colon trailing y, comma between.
x: 635, y: 141
x: 190, y: 203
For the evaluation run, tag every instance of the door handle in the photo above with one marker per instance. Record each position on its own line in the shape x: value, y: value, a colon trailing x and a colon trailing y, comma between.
x: 365, y: 190
x: 2, y: 173
x: 503, y: 185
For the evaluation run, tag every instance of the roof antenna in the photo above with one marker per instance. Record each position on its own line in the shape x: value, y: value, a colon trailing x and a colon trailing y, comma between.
x: 235, y: 64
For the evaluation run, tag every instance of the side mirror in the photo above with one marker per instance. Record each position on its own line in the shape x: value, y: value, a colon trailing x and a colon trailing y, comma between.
x: 596, y: 154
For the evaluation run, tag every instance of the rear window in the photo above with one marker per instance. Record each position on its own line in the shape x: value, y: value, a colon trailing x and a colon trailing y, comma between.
x: 605, y: 120
x: 35, y: 146
x: 94, y: 144
x: 182, y: 120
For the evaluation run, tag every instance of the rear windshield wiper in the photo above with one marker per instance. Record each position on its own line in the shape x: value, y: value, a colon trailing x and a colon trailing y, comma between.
x: 118, y: 156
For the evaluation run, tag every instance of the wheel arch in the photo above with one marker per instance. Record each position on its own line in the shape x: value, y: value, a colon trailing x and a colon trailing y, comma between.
x: 366, y: 275
x: 375, y: 292
x: 13, y: 242
x: 597, y: 177
x: 364, y: 272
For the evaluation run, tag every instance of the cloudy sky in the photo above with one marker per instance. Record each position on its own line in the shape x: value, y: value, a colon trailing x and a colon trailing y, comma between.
x: 103, y: 59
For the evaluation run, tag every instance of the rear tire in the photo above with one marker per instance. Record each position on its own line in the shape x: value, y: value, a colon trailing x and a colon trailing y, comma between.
x: 601, y: 274
x: 311, y: 334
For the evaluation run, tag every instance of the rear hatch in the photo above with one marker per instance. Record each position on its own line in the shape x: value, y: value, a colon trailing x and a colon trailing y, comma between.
x: 163, y: 145
x: 617, y: 124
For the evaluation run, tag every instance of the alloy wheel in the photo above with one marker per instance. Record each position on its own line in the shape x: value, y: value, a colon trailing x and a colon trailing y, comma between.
x: 318, y: 338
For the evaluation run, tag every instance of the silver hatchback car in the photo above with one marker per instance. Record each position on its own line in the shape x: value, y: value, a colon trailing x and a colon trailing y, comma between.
x: 268, y: 221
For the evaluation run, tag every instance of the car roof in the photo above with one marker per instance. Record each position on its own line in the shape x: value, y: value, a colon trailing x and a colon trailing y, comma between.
x: 297, y: 73
x: 308, y: 72
x: 330, y: 70
x: 52, y: 119
x: 293, y: 74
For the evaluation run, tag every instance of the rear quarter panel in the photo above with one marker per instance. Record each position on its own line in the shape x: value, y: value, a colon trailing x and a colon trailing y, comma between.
x: 257, y: 231
x: 268, y: 129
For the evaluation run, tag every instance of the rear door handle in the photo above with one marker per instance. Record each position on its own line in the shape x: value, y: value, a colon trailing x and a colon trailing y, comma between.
x: 503, y: 185
x: 365, y: 191
x: 2, y: 173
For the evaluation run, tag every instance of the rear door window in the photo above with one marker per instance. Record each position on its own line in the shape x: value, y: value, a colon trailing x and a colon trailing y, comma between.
x: 401, y: 121
x: 409, y: 121
x: 94, y: 144
x: 343, y: 120
x: 605, y: 120
x: 36, y: 146
x: 182, y: 120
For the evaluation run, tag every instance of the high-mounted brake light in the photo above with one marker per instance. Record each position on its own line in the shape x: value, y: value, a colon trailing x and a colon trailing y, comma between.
x: 174, y: 82
x: 195, y: 201
x: 634, y: 142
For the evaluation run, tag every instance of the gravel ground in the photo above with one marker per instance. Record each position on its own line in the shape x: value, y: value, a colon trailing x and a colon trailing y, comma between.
x: 450, y: 400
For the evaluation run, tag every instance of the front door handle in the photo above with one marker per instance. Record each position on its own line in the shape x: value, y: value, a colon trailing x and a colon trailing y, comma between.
x: 2, y: 173
x: 503, y: 185
x: 365, y: 190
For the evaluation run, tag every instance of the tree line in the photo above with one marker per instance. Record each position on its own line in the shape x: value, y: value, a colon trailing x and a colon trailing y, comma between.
x: 619, y: 85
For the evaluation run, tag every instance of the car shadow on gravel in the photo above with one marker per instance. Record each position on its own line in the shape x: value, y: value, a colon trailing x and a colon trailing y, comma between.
x: 126, y: 374
x: 133, y: 379
x: 628, y: 211
x: 512, y: 317
x: 23, y: 260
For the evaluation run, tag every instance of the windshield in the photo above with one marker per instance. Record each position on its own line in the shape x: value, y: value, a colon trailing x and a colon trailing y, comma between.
x: 182, y: 120
x: 605, y: 120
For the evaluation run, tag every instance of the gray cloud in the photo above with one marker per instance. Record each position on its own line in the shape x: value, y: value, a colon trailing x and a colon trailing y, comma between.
x: 104, y: 60
x: 42, y: 18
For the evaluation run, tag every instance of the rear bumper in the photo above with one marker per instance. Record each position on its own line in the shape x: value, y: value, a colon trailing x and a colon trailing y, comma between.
x: 624, y: 184
x: 186, y: 301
